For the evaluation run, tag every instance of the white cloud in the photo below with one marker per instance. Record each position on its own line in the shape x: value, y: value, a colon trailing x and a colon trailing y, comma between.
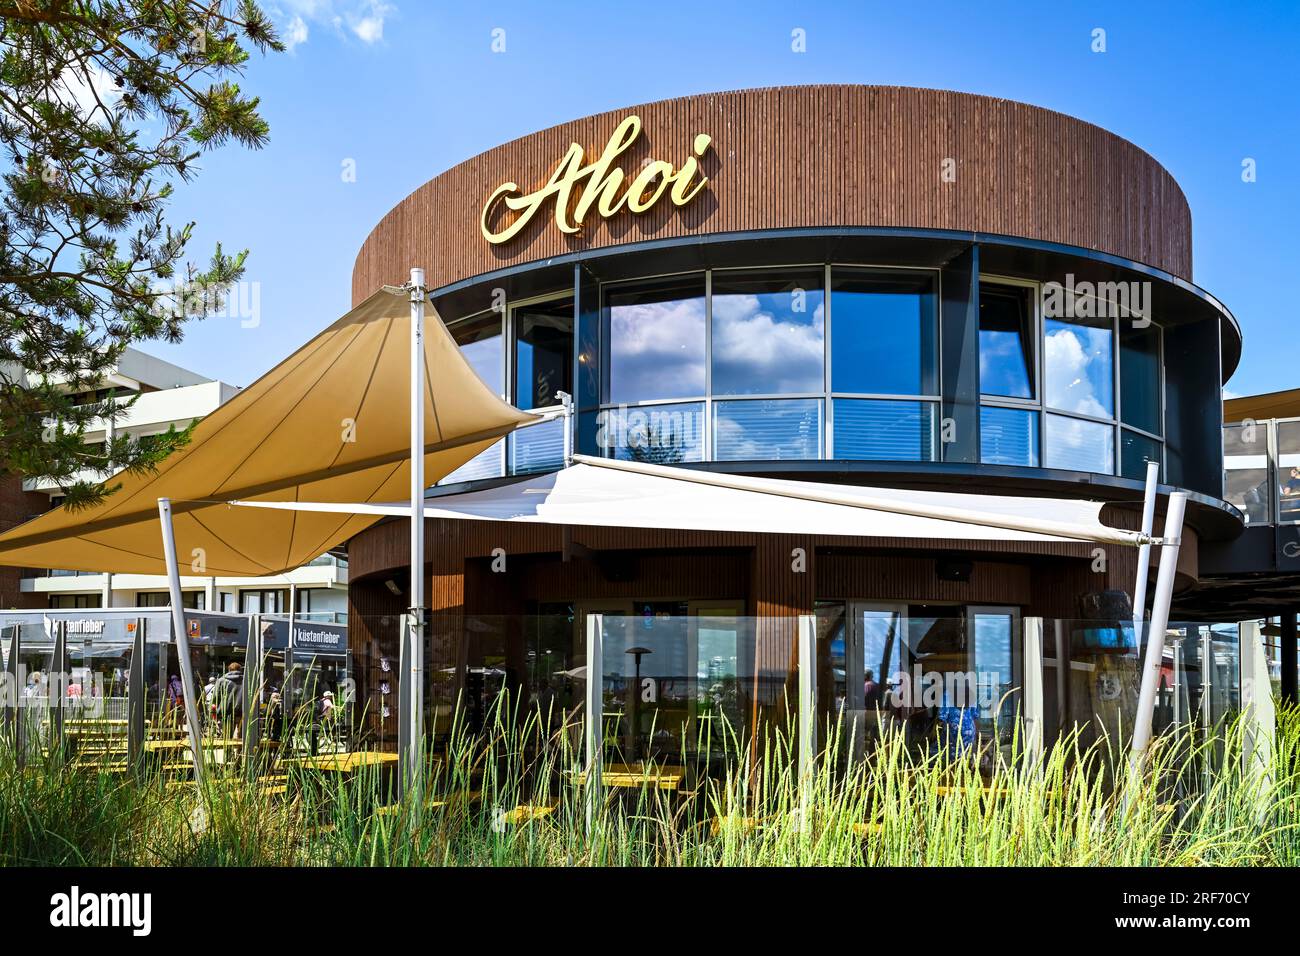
x: 89, y: 92
x: 295, y: 33
x: 362, y: 19
x: 1078, y: 370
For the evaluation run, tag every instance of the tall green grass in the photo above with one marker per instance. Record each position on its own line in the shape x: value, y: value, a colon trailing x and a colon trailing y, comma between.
x: 1192, y: 803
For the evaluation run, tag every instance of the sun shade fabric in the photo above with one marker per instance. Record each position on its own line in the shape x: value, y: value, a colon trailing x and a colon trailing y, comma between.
x: 621, y: 494
x: 330, y: 423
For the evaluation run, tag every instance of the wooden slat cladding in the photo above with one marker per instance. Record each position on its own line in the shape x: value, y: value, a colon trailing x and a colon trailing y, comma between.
x: 813, y: 156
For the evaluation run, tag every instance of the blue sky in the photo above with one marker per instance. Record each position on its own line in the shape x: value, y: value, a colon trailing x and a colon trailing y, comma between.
x: 407, y: 89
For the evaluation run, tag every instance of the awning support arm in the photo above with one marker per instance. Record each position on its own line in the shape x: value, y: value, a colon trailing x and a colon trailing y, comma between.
x: 1144, y: 549
x: 182, y: 639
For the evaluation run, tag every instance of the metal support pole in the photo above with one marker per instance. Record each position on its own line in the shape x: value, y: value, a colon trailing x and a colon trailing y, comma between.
x: 411, y: 718
x: 1032, y: 667
x: 254, y: 662
x: 1164, y: 594
x: 566, y: 400
x: 807, y: 636
x: 807, y: 696
x: 182, y: 639
x: 595, y: 723
x: 58, y: 685
x: 1287, y: 649
x: 1144, y: 550
x: 136, y: 690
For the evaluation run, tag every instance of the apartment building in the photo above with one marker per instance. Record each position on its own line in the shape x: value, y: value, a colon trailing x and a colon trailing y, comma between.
x: 165, y: 395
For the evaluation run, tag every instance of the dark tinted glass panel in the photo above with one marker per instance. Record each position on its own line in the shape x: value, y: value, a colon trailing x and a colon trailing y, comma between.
x: 768, y: 333
x: 883, y: 332
x: 1134, y: 452
x: 479, y: 339
x: 1139, y: 378
x: 1008, y: 436
x: 1006, y: 342
x: 656, y: 340
x: 884, y: 430
x: 543, y: 353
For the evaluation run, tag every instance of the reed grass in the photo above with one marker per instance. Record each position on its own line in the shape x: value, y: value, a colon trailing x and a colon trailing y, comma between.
x: 512, y: 797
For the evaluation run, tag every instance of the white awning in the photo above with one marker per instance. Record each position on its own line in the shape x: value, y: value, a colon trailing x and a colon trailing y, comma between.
x: 604, y: 493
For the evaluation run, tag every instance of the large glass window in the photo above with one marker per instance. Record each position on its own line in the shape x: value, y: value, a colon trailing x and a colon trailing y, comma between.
x: 1078, y: 445
x: 656, y: 340
x: 1007, y: 342
x: 768, y: 333
x: 1139, y: 378
x: 884, y: 332
x: 543, y: 352
x: 765, y: 430
x: 480, y: 341
x: 1078, y: 366
x: 884, y: 429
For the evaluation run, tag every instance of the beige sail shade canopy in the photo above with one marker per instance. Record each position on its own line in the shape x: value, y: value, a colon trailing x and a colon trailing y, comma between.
x: 329, y: 423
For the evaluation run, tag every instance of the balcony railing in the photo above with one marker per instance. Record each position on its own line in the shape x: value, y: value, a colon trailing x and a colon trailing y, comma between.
x: 1261, y: 469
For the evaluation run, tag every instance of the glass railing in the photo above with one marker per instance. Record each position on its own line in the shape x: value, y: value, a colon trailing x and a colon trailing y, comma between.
x: 1261, y: 469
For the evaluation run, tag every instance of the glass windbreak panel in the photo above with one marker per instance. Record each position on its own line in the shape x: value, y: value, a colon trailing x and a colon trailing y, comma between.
x: 486, y: 464
x: 884, y: 429
x: 219, y: 682
x: 1134, y: 452
x: 994, y: 650
x: 768, y: 333
x: 95, y: 713
x: 659, y: 434
x: 832, y: 668
x: 1077, y: 445
x: 884, y: 332
x: 1006, y: 341
x: 1288, y: 471
x: 1246, y: 471
x: 320, y: 704
x: 1102, y: 680
x: 480, y: 342
x: 1139, y: 378
x: 679, y: 688
x: 1078, y: 366
x: 767, y: 430
x: 656, y: 339
x: 537, y: 448
x: 1224, y: 666
x: 1008, y: 436
x: 36, y: 678
x: 543, y: 352
x: 554, y: 655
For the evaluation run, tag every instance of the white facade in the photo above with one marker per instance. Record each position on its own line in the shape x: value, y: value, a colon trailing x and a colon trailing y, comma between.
x: 169, y: 395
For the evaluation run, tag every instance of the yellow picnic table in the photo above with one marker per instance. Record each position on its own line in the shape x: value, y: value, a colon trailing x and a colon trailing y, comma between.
x: 638, y: 775
x: 349, y: 762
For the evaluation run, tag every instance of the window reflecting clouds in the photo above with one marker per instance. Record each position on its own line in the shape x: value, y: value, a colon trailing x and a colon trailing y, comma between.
x: 656, y: 340
x: 768, y: 333
x: 1079, y: 367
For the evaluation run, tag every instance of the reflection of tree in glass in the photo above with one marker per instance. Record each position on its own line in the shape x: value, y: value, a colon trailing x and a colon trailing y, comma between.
x: 661, y: 442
